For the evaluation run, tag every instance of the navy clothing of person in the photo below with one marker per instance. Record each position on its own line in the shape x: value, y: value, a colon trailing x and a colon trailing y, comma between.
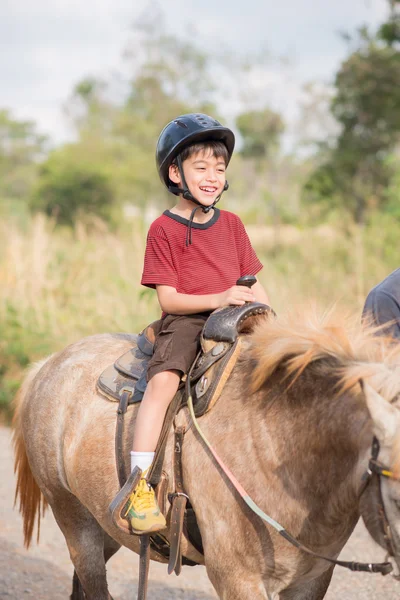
x: 383, y: 304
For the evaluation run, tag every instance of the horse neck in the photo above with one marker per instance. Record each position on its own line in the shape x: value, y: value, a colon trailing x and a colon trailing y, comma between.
x: 314, y: 428
x: 302, y: 444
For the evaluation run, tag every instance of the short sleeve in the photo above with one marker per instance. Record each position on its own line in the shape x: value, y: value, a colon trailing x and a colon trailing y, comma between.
x: 382, y: 308
x: 158, y: 266
x: 249, y: 262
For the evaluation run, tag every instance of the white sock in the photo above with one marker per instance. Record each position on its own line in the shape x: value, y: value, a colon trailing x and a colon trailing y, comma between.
x: 142, y: 460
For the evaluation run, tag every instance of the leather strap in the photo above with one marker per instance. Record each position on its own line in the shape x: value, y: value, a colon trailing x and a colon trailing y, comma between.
x: 178, y: 473
x: 144, y: 563
x: 177, y: 516
x: 155, y: 472
x: 125, y: 396
x: 383, y: 568
x: 179, y: 500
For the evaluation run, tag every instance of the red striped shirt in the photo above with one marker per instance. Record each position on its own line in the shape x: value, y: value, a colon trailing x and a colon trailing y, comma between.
x: 219, y: 254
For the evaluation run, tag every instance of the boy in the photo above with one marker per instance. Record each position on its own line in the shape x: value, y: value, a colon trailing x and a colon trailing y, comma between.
x: 194, y: 255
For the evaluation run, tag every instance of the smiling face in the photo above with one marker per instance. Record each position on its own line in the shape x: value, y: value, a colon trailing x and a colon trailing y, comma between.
x: 204, y: 173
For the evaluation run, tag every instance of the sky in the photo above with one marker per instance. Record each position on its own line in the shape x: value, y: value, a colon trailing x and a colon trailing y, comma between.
x: 47, y: 46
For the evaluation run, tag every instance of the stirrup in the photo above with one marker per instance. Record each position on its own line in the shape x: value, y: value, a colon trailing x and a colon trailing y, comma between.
x: 117, y: 505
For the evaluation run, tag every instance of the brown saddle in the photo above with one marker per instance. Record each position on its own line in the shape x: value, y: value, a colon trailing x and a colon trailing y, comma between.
x: 125, y: 382
x: 220, y: 346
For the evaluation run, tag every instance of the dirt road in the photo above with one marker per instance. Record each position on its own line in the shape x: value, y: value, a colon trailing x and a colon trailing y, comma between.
x: 45, y: 571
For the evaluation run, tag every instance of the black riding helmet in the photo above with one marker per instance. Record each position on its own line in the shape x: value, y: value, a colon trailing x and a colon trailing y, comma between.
x: 182, y: 132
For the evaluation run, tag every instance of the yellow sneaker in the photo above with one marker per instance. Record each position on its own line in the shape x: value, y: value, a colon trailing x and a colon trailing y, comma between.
x: 142, y: 510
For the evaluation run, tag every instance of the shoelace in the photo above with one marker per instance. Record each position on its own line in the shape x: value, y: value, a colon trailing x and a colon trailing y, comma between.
x: 143, y: 497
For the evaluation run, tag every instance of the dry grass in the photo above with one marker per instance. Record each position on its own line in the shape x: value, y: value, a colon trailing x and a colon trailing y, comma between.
x: 72, y: 283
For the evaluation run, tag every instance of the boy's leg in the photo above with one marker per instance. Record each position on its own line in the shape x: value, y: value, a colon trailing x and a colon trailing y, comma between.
x: 142, y: 510
x: 175, y: 349
x: 159, y: 393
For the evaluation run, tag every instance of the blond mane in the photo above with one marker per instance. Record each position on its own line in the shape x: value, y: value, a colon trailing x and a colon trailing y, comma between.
x: 298, y: 339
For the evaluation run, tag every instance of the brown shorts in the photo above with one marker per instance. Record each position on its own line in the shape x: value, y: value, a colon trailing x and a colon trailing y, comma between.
x: 177, y: 344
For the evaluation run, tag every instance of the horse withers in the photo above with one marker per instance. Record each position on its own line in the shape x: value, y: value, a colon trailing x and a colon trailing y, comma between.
x: 295, y: 424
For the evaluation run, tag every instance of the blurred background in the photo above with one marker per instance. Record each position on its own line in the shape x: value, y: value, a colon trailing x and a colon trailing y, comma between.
x: 312, y: 91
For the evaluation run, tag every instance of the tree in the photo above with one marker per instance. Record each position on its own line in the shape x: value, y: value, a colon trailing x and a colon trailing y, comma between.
x: 119, y: 119
x: 69, y: 187
x: 366, y: 105
x: 21, y: 149
x: 261, y: 131
x: 390, y: 31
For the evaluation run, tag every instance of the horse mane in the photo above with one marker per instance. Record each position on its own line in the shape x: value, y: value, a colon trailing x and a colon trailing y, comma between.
x: 342, y: 347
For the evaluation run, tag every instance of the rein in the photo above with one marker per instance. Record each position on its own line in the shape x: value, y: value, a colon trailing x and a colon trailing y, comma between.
x: 373, y: 468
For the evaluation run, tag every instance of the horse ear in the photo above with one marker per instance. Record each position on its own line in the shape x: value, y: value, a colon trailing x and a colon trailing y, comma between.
x: 385, y: 417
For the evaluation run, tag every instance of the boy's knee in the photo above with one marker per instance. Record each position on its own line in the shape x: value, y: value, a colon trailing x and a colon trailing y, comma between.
x: 165, y: 378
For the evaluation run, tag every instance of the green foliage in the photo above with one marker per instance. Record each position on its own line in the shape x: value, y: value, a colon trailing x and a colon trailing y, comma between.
x: 368, y: 97
x: 117, y: 121
x: 87, y: 89
x: 392, y: 193
x: 20, y: 345
x: 168, y: 76
x: 381, y: 246
x: 320, y: 189
x: 354, y: 173
x: 261, y: 131
x: 69, y: 187
x: 21, y: 148
x: 389, y: 32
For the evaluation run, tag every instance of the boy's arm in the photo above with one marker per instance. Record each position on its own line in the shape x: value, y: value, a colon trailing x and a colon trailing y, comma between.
x: 173, y: 303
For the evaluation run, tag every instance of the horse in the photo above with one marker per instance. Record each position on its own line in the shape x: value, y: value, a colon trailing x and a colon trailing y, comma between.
x: 294, y: 423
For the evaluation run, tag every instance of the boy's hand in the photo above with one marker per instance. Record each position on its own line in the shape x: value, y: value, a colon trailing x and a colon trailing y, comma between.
x: 237, y: 295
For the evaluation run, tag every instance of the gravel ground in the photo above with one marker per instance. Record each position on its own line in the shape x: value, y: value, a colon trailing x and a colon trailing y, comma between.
x: 45, y: 571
